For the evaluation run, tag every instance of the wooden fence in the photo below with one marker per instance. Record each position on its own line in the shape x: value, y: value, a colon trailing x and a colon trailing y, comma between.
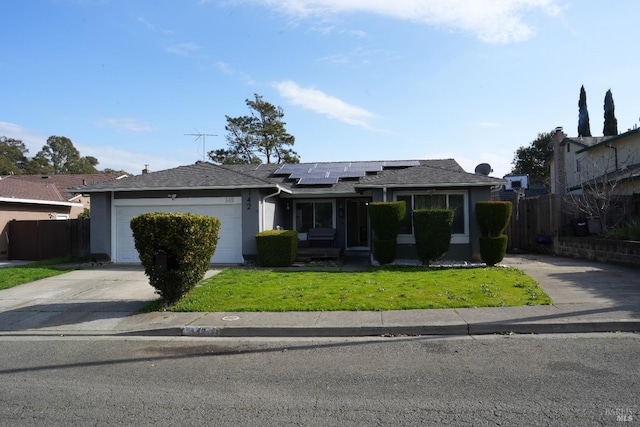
x: 537, y: 220
x: 45, y: 239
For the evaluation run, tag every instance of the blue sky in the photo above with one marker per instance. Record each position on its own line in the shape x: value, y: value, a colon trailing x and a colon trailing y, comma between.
x: 472, y: 80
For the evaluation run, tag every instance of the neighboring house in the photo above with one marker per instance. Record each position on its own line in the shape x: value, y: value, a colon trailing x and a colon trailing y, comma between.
x: 37, y: 197
x: 583, y: 163
x: 251, y: 198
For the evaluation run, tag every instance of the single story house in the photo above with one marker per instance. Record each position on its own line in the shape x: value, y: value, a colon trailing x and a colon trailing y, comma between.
x: 250, y: 198
x: 42, y: 197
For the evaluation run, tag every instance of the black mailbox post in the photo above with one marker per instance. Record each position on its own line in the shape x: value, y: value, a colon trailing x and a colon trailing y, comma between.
x: 160, y: 261
x: 164, y: 260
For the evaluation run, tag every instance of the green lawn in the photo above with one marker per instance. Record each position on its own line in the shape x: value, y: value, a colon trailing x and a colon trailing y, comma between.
x: 390, y: 288
x: 14, y: 276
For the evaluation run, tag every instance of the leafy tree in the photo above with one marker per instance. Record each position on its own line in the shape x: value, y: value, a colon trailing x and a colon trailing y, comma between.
x: 610, y: 121
x: 109, y: 170
x: 13, y: 159
x: 59, y: 156
x: 534, y: 160
x: 85, y: 214
x: 260, y: 136
x: 38, y: 165
x: 583, y: 115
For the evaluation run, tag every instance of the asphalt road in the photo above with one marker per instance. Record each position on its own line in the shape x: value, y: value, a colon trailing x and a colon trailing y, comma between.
x: 492, y: 380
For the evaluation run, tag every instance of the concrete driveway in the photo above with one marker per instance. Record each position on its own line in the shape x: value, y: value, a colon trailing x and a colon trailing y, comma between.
x: 96, y: 298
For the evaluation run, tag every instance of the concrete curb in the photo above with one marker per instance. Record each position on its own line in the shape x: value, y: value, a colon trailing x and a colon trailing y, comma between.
x: 498, y: 328
x: 451, y: 330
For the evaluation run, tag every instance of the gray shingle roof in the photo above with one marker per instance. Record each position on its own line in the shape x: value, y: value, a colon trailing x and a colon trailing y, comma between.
x: 201, y: 175
x: 204, y: 175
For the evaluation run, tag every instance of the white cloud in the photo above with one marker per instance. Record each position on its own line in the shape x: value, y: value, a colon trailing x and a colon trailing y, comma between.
x: 320, y: 102
x: 146, y: 23
x: 34, y: 143
x: 224, y: 67
x: 492, y: 21
x: 183, y: 49
x: 126, y: 124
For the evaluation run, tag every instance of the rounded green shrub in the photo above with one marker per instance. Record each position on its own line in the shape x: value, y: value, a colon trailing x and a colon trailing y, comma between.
x: 493, y: 249
x: 175, y: 249
x: 277, y: 248
x: 493, y: 217
x: 432, y: 229
x: 385, y: 251
x: 386, y: 218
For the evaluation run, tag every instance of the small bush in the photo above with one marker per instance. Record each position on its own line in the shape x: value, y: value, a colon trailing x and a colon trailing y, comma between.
x: 386, y: 218
x: 277, y: 248
x: 629, y: 231
x: 493, y: 249
x: 385, y: 251
x: 493, y: 217
x: 188, y: 241
x: 432, y: 229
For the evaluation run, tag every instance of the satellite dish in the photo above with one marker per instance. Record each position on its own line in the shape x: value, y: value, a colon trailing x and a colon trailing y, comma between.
x: 483, y: 169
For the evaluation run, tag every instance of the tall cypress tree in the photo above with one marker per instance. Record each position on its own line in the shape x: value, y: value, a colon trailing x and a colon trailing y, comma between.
x: 584, y: 129
x: 610, y: 121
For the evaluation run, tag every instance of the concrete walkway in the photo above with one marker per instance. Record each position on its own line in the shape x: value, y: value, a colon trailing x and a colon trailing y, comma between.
x: 588, y: 297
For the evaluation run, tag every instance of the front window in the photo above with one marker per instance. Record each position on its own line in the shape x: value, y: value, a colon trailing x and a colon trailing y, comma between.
x: 313, y: 215
x: 443, y: 200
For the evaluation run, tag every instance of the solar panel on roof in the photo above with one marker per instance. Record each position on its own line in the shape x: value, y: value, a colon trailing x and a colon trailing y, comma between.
x: 318, y: 181
x: 331, y: 172
x: 303, y: 172
x: 349, y: 174
x: 286, y: 169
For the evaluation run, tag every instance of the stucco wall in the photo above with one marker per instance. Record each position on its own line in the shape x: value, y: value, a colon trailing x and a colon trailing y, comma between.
x: 22, y: 211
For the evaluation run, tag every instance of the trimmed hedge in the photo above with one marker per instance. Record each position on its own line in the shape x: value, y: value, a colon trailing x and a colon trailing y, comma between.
x: 277, y: 248
x: 493, y: 217
x: 432, y: 229
x: 386, y: 218
x: 185, y: 242
x: 385, y: 251
x: 493, y: 249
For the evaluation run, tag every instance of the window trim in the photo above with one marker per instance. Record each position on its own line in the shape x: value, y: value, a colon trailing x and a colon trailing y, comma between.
x: 460, y: 238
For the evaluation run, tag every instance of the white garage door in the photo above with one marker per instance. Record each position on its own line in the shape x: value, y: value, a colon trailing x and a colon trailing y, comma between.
x: 227, y: 210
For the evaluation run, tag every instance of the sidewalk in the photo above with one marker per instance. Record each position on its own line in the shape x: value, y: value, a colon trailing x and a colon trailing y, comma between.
x: 588, y: 297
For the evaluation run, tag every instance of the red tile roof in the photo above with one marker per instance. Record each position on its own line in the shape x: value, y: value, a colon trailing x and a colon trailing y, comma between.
x: 48, y: 187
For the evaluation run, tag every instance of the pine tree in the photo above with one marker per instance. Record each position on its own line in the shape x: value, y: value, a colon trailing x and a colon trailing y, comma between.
x: 583, y: 115
x: 260, y: 135
x: 610, y: 121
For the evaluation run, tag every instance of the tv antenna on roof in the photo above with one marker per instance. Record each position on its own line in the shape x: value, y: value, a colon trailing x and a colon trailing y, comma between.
x: 199, y: 135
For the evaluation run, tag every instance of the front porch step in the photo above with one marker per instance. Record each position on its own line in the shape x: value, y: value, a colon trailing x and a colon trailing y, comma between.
x: 318, y: 254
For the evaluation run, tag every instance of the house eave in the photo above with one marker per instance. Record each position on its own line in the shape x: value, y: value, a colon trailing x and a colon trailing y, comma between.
x: 324, y: 194
x: 196, y: 188
x: 606, y: 141
x: 39, y: 202
x: 436, y: 185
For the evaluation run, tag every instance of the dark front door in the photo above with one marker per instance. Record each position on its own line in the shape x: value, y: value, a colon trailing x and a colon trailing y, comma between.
x: 357, y: 224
